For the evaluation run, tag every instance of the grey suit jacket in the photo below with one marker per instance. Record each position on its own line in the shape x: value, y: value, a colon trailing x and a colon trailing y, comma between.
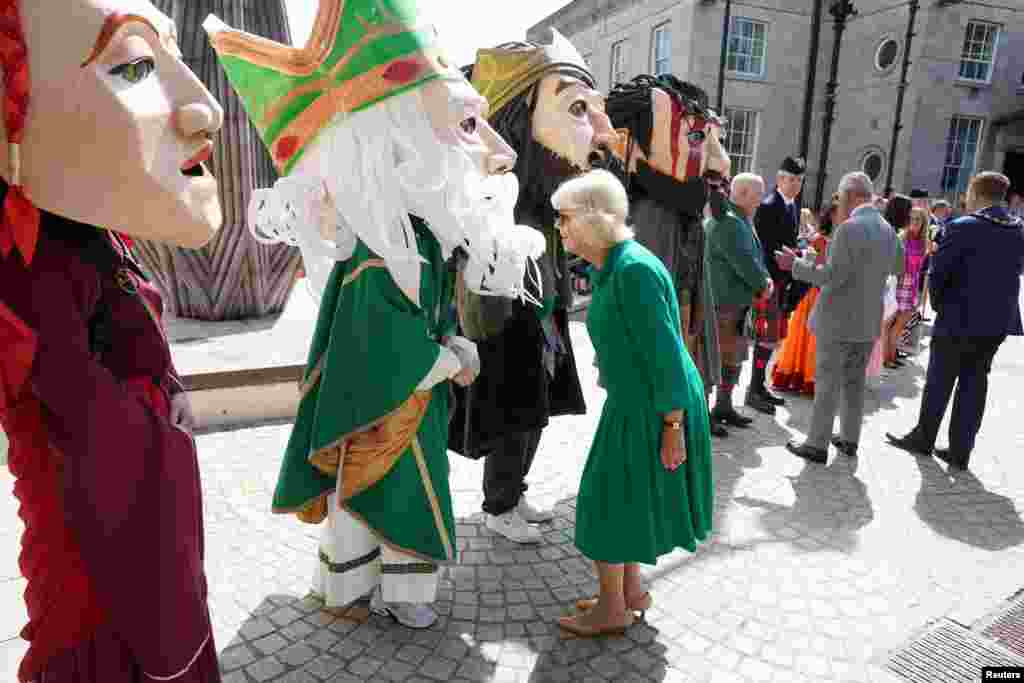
x: 863, y: 253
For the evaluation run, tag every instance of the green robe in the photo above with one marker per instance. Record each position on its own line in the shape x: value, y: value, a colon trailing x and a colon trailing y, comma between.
x: 630, y: 508
x: 371, y: 348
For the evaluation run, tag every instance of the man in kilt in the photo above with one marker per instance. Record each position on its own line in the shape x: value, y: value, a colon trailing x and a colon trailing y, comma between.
x: 777, y: 222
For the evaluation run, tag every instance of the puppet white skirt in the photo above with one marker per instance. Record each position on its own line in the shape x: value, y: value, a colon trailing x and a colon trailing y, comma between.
x: 352, y: 563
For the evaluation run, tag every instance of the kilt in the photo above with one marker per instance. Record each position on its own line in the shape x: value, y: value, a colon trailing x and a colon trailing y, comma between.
x: 732, y: 340
x: 768, y: 322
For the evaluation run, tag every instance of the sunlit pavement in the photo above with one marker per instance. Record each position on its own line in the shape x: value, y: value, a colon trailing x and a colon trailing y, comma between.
x: 813, y: 573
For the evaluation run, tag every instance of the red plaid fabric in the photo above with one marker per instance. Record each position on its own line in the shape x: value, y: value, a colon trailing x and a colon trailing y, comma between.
x: 769, y: 324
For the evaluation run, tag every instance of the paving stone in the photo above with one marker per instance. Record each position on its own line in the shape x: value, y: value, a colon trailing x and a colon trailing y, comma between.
x: 364, y: 666
x: 265, y: 669
x: 270, y: 644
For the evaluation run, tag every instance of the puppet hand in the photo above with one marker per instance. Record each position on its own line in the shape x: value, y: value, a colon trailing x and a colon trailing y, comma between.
x: 181, y: 413
x: 469, y: 358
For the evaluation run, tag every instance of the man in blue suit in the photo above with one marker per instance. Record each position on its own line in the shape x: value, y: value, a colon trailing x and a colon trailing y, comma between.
x: 975, y: 287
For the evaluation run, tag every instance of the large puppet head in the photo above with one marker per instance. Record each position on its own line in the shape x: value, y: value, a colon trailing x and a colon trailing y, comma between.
x: 105, y: 124
x: 542, y: 100
x: 368, y: 124
x: 667, y: 132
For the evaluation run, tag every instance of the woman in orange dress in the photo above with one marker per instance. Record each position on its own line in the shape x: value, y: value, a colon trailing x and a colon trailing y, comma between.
x: 794, y: 369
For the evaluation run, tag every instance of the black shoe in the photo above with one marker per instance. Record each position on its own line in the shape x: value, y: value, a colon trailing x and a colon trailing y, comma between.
x: 909, y: 443
x: 955, y: 462
x: 769, y: 396
x: 717, y: 430
x: 757, y: 401
x: 847, y: 448
x: 730, y: 417
x: 809, y: 453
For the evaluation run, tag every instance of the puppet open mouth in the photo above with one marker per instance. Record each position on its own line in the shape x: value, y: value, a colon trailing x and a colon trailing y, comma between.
x: 194, y: 166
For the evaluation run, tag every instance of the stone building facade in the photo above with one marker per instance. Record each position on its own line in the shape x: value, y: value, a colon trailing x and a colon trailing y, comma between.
x: 963, y: 107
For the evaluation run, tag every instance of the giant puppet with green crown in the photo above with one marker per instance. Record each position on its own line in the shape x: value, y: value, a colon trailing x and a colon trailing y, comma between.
x: 392, y: 181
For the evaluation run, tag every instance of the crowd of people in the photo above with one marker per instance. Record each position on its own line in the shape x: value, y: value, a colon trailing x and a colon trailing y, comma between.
x: 870, y: 264
x: 436, y: 209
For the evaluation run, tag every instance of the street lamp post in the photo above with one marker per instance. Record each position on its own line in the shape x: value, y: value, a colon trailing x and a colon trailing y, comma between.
x: 898, y: 123
x: 722, y: 60
x: 841, y: 11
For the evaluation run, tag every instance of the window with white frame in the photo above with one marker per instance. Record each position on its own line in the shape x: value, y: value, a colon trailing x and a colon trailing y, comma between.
x: 747, y: 39
x: 979, y: 51
x: 741, y: 138
x: 618, y: 63
x: 961, y: 152
x: 661, y: 50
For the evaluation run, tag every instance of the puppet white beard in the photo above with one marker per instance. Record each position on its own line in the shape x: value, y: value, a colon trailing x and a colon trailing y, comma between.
x: 475, y: 213
x: 462, y: 208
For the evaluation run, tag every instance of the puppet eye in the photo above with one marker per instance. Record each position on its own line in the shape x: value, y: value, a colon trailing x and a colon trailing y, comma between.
x: 468, y: 126
x: 135, y: 71
x: 578, y: 108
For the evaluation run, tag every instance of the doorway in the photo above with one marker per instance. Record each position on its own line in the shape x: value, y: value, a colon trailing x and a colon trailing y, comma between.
x: 1013, y: 168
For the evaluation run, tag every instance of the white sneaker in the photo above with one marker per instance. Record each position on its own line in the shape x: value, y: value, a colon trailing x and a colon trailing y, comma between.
x: 512, y: 526
x: 408, y: 614
x: 532, y: 514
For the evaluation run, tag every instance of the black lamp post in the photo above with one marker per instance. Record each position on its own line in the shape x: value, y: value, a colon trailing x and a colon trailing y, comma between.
x: 897, y: 125
x: 722, y: 59
x: 841, y: 11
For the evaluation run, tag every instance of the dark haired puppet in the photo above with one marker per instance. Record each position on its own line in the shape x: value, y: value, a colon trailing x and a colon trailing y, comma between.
x: 669, y: 147
x: 543, y: 102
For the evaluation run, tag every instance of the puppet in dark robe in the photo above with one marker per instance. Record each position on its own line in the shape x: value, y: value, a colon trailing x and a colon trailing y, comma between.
x: 543, y: 102
x: 106, y: 128
x: 669, y: 140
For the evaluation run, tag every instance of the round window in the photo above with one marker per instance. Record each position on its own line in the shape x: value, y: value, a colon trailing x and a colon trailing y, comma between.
x: 886, y: 54
x: 872, y: 165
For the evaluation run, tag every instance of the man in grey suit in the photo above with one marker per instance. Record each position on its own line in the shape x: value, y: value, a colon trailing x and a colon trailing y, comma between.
x: 847, y: 317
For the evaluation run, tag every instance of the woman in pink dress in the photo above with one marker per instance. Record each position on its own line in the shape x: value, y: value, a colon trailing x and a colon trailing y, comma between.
x: 915, y: 249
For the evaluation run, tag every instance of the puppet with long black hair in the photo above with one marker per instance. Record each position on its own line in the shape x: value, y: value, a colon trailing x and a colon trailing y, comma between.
x: 542, y: 101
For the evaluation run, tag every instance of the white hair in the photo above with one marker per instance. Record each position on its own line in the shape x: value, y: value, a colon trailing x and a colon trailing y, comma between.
x: 602, y: 204
x: 857, y: 183
x: 363, y: 177
x: 745, y: 181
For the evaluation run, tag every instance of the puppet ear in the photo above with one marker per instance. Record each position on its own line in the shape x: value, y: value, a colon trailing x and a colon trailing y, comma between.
x: 621, y: 143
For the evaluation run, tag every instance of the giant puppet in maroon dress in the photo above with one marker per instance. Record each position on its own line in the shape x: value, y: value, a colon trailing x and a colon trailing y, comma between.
x: 107, y: 129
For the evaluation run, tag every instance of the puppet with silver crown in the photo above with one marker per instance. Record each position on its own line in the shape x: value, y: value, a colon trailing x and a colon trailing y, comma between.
x: 392, y: 182
x: 106, y: 128
x: 542, y: 100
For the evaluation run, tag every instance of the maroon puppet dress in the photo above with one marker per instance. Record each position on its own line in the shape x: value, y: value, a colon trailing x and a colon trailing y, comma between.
x: 108, y: 488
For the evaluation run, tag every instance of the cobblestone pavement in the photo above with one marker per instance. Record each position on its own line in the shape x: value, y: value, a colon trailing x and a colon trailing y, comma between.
x: 813, y: 573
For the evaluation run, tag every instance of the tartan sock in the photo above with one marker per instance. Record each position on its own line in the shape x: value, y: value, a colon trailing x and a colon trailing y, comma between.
x: 762, y: 355
x: 723, y: 397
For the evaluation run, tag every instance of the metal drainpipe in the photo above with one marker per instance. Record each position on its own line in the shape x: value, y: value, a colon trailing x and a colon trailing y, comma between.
x: 812, y: 74
x: 721, y: 63
x: 841, y: 10
x: 898, y: 122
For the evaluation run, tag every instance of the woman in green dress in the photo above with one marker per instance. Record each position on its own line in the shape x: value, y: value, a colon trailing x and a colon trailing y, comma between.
x: 647, y: 486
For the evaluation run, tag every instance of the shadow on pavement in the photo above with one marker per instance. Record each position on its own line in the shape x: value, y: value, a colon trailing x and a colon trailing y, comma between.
x: 831, y: 501
x: 958, y: 506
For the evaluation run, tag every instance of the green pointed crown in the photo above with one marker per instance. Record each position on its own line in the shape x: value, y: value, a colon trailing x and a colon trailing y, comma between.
x: 360, y: 52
